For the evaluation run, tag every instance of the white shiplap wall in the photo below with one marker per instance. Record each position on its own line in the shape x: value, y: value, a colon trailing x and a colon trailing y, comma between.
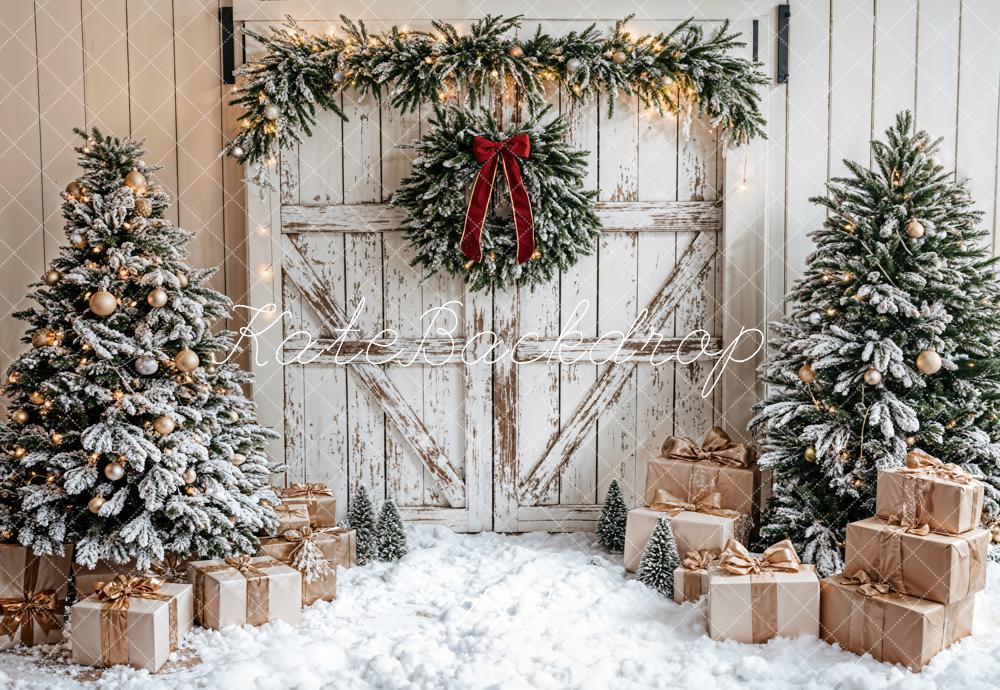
x: 151, y: 68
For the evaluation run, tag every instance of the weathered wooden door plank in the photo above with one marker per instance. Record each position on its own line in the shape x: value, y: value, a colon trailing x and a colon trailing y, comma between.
x: 375, y: 379
x: 690, y: 267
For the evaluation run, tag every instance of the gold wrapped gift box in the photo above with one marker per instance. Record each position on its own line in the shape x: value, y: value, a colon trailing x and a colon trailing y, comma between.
x: 927, y: 491
x: 245, y: 590
x: 318, y: 500
x: 753, y: 599
x: 863, y: 617
x: 131, y: 620
x: 32, y: 595
x: 691, y: 576
x: 693, y: 531
x: 939, y: 567
x: 338, y: 547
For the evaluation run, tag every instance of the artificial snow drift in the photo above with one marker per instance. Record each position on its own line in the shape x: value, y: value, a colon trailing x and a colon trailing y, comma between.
x: 494, y: 611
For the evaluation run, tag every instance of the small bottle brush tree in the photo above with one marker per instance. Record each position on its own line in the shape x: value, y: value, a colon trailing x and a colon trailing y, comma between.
x: 123, y: 437
x: 611, y: 524
x: 391, y: 533
x: 890, y: 345
x: 659, y: 559
x: 361, y: 518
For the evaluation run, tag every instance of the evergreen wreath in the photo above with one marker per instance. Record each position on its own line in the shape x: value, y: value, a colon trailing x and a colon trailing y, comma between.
x: 434, y: 198
x: 682, y: 71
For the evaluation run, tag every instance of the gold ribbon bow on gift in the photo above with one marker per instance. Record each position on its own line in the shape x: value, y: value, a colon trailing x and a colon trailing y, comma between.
x: 117, y: 592
x: 780, y: 557
x: 710, y: 504
x: 309, y: 491
x: 716, y: 449
x: 114, y: 614
x: 868, y: 586
x: 246, y: 567
x: 698, y: 561
x: 171, y: 568
x: 39, y: 608
x: 290, y: 510
x: 307, y: 557
x: 920, y: 464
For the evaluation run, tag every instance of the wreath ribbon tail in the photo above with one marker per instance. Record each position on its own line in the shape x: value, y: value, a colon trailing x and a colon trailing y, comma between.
x: 475, y: 215
x: 520, y: 204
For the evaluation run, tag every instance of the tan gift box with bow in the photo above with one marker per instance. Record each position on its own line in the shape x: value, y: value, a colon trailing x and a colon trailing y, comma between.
x: 291, y: 516
x: 752, y: 599
x: 926, y: 491
x: 940, y: 567
x: 691, y: 576
x: 173, y: 568
x: 895, y: 628
x: 245, y: 590
x: 693, y: 531
x: 718, y: 465
x: 318, y: 500
x: 334, y: 547
x: 32, y: 595
x: 131, y: 620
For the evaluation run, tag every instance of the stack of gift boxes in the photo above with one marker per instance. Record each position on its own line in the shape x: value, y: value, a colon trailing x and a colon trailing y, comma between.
x: 911, y: 572
x: 125, y: 617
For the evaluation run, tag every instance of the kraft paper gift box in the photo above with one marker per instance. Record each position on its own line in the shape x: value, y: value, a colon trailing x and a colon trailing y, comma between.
x: 245, y: 590
x: 318, y: 499
x: 105, y: 571
x: 691, y: 576
x: 137, y: 621
x: 753, y: 599
x: 291, y: 516
x: 940, y: 567
x: 694, y: 530
x: 864, y: 617
x: 32, y: 595
x: 927, y: 491
x: 717, y: 465
x: 330, y: 547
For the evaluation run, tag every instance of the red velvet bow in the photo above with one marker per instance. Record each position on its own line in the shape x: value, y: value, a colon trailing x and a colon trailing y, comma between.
x: 490, y: 154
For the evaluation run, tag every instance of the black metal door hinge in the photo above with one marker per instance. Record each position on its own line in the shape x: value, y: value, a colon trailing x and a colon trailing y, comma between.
x: 228, y: 45
x: 784, y: 16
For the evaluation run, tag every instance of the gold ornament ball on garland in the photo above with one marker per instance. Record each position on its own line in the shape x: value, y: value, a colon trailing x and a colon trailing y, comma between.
x: 136, y: 181
x: 338, y: 78
x: 164, y: 425
x: 144, y: 207
x: 914, y: 229
x: 74, y: 189
x: 157, y: 298
x: 809, y: 454
x: 95, y: 504
x: 273, y: 112
x: 806, y: 373
x: 929, y: 362
x: 516, y: 51
x: 36, y: 398
x: 114, y: 471
x: 103, y: 303
x: 186, y: 360
x: 619, y: 57
x: 52, y: 277
x: 873, y: 376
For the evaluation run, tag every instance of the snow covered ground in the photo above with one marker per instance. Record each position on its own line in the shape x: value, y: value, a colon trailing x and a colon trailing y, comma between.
x: 493, y: 611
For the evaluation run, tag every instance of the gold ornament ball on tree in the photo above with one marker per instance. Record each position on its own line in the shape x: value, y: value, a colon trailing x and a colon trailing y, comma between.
x: 809, y: 454
x: 74, y: 189
x: 573, y: 65
x: 157, y: 298
x: 143, y: 207
x: 238, y: 459
x: 95, y: 504
x: 164, y: 425
x: 78, y: 242
x: 114, y: 471
x: 516, y: 51
x: 806, y: 373
x: 20, y: 417
x: 873, y: 376
x: 914, y: 229
x: 36, y: 398
x: 929, y: 362
x: 272, y: 112
x: 186, y: 360
x: 103, y: 303
x: 42, y: 337
x: 136, y: 181
x: 182, y: 279
x: 52, y: 277
x: 619, y: 57
x: 189, y: 475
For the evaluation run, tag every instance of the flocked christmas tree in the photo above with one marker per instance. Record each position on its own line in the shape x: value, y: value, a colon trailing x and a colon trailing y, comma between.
x: 361, y: 518
x: 391, y: 533
x: 659, y: 559
x: 890, y: 345
x: 611, y: 523
x: 124, y: 437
